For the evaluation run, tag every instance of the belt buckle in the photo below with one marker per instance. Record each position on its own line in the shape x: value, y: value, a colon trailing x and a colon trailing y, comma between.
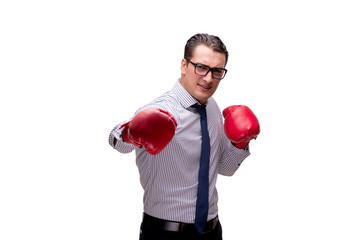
x: 172, y: 226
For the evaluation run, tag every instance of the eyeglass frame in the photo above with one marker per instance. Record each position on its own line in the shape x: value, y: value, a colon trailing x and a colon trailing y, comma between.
x: 210, y: 70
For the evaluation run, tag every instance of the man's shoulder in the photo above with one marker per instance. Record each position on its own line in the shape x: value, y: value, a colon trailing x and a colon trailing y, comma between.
x: 168, y: 98
x: 166, y: 101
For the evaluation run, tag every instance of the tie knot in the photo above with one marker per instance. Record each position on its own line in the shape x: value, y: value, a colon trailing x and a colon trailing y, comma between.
x: 201, y: 109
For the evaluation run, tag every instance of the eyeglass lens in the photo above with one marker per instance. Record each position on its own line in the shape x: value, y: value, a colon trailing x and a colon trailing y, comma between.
x: 203, y: 70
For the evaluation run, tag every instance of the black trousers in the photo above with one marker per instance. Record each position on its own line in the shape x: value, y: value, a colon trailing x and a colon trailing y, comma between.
x: 156, y: 233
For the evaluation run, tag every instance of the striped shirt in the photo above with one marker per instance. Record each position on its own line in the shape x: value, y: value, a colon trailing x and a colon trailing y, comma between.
x: 170, y: 178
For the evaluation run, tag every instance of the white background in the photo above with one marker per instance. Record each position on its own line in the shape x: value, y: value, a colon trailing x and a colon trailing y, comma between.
x: 71, y: 70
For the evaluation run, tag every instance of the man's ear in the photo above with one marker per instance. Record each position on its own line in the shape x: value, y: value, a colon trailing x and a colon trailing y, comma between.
x: 183, y: 66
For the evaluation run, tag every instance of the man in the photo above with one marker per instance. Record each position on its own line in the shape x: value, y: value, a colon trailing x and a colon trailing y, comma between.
x: 182, y: 145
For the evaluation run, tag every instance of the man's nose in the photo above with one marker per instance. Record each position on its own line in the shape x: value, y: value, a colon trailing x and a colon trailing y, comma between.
x: 208, y: 77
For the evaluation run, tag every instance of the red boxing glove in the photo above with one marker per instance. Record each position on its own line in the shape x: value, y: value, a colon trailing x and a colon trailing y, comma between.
x: 241, y: 125
x: 152, y: 128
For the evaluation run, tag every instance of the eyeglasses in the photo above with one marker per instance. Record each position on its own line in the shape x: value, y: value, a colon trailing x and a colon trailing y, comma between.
x: 203, y: 70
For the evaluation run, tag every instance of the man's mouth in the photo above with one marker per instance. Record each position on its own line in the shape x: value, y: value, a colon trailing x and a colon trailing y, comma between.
x: 205, y: 87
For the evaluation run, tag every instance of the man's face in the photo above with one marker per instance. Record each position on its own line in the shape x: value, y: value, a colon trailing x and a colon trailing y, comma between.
x: 201, y: 87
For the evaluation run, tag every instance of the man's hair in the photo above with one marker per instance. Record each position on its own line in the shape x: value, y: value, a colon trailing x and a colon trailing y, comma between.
x: 210, y: 41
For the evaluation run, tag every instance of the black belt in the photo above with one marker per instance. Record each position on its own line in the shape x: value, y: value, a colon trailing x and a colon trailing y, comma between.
x: 177, y: 226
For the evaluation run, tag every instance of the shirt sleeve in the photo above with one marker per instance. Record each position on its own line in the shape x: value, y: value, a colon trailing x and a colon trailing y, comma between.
x: 231, y: 157
x: 117, y: 142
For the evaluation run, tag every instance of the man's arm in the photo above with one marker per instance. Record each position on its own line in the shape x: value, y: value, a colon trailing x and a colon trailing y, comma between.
x: 151, y: 128
x: 117, y: 142
x: 231, y: 157
x: 240, y: 127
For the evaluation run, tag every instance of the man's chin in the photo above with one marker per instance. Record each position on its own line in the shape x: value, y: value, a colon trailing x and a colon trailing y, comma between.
x: 202, y: 98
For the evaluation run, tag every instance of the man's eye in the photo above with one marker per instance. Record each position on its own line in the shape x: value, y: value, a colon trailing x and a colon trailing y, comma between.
x: 202, y: 68
x: 218, y: 72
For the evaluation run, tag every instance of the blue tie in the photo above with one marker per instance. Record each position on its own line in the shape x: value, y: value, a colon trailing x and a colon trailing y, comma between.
x: 202, y: 203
